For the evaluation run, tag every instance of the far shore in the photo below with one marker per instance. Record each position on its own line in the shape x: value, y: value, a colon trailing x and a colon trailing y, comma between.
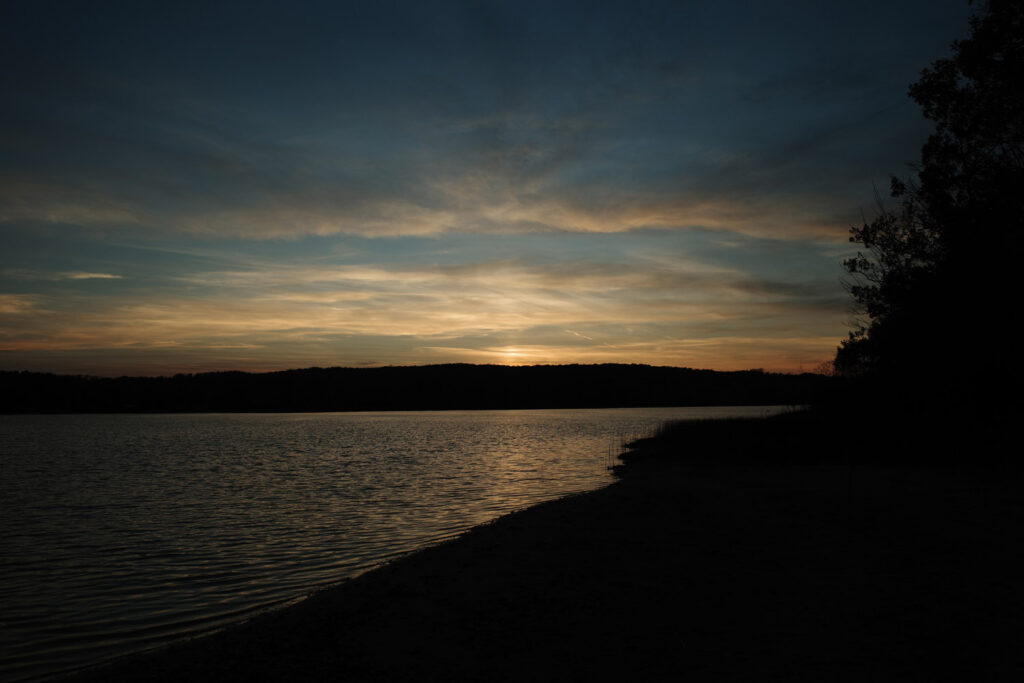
x: 421, y: 387
x: 684, y: 569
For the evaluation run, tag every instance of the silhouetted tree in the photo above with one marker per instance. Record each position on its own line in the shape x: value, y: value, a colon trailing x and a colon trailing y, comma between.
x: 936, y: 278
x: 892, y: 279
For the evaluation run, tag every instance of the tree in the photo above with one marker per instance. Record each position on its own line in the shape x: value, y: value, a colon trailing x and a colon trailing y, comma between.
x: 890, y: 282
x: 935, y: 276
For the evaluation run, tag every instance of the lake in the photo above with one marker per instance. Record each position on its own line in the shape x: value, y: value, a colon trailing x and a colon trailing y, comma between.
x: 125, y: 532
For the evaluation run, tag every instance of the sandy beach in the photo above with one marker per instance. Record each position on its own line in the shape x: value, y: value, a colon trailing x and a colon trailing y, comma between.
x: 708, y: 573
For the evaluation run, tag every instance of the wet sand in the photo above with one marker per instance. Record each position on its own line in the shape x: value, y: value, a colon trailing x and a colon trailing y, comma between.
x: 695, y: 572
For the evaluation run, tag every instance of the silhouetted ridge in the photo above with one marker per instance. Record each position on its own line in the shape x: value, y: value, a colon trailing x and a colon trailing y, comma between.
x: 428, y: 387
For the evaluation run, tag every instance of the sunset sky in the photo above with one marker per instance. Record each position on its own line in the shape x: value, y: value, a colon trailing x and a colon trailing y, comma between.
x: 260, y: 186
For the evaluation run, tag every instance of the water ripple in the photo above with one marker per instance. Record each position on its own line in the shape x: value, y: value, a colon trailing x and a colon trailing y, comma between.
x: 125, y: 532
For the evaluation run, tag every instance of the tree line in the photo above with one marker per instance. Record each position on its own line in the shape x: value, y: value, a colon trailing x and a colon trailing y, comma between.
x: 936, y: 277
x: 430, y: 387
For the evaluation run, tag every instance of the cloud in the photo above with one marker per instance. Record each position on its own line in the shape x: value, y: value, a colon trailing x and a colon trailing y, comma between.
x: 540, y: 179
x: 17, y: 303
x: 593, y: 303
x: 725, y: 353
x: 26, y: 200
x: 446, y: 206
x: 30, y: 274
x: 198, y: 166
x: 81, y: 275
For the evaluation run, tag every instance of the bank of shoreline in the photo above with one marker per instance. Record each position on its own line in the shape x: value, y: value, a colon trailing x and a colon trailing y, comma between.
x: 804, y: 571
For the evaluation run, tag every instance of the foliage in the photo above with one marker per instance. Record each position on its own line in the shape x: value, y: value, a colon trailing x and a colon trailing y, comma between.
x: 900, y: 257
x: 934, y: 275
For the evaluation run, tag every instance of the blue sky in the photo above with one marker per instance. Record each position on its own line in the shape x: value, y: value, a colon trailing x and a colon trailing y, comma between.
x: 261, y: 186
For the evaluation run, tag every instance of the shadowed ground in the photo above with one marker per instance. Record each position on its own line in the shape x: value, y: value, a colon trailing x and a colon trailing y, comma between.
x: 716, y: 573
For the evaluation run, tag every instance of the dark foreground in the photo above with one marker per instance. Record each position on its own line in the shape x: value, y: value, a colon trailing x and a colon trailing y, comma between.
x: 681, y: 571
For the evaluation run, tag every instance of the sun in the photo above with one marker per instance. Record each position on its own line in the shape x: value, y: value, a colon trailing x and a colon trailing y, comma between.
x: 511, y: 355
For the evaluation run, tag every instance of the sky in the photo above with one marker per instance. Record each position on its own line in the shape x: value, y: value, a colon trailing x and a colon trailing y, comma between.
x: 267, y: 185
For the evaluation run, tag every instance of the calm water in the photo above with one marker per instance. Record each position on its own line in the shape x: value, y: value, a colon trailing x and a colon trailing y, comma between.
x: 124, y: 532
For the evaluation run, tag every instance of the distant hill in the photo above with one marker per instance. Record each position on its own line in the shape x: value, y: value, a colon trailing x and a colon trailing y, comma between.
x: 428, y: 387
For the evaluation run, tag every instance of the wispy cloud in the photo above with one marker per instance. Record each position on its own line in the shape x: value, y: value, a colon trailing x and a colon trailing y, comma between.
x: 459, y: 208
x: 82, y: 275
x: 587, y: 310
x: 17, y: 303
x: 52, y: 276
x: 725, y: 353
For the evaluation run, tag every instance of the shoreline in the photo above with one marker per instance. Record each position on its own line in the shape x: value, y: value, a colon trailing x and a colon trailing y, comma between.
x: 716, y: 572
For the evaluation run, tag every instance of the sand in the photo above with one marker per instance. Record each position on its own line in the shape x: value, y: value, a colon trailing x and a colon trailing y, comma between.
x: 677, y: 572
